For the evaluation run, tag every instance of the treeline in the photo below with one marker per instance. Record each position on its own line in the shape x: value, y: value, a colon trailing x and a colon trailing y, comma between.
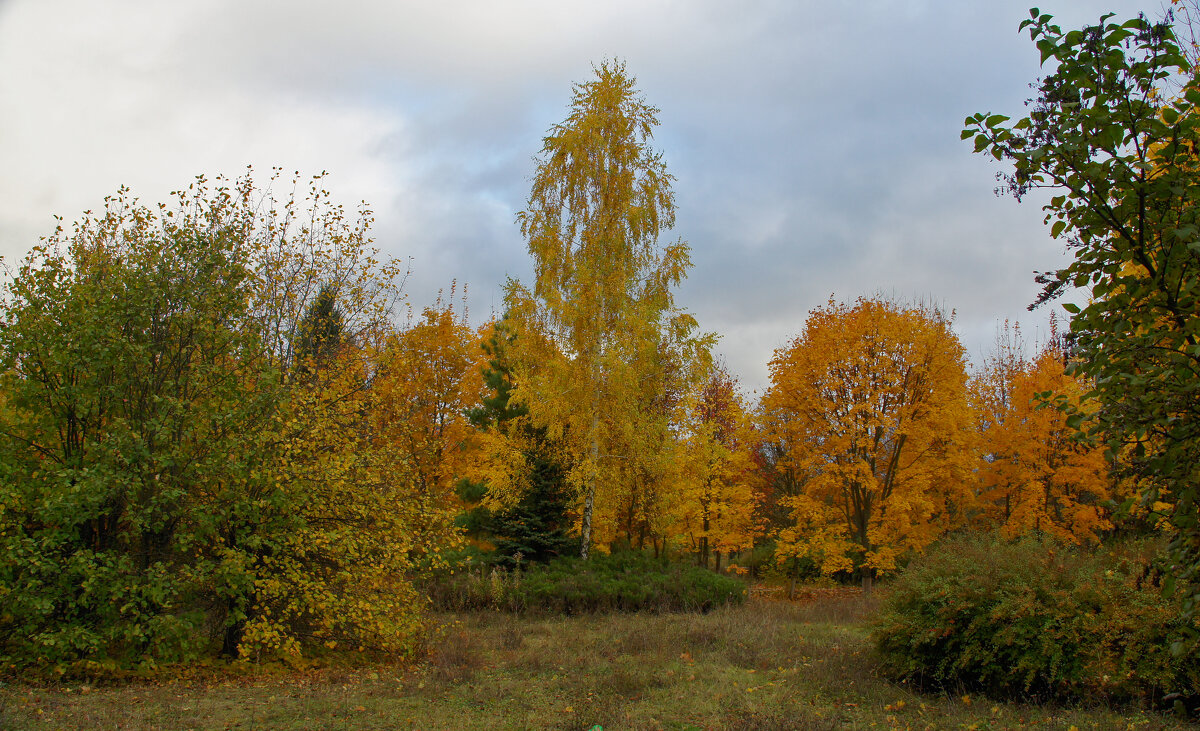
x: 221, y: 434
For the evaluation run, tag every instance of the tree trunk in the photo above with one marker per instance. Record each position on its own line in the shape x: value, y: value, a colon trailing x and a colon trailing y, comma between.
x: 233, y: 639
x: 586, y: 539
x: 868, y: 580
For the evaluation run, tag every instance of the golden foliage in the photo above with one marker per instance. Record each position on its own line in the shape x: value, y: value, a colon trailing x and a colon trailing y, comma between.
x: 591, y: 334
x: 226, y: 476
x: 869, y: 403
x: 429, y: 374
x: 344, y: 576
x: 1037, y: 476
x: 717, y: 479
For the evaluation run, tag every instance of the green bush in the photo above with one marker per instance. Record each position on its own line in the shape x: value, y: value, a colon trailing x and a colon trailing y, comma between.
x: 1035, y: 619
x: 621, y: 582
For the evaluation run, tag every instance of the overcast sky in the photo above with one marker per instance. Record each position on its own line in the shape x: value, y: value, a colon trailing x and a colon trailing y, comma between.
x: 816, y: 144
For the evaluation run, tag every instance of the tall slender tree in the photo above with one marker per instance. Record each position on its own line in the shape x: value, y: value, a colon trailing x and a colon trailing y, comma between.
x: 601, y: 301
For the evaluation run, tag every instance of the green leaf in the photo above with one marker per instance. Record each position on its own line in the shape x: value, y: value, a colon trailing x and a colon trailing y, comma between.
x: 1071, y: 307
x: 1047, y: 48
x: 1057, y: 229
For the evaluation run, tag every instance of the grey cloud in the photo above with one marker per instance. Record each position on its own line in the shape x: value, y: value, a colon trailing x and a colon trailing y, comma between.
x: 815, y: 144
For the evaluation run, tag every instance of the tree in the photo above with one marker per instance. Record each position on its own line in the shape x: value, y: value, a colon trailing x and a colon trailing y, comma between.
x: 870, y: 405
x: 1037, y: 477
x: 530, y: 521
x: 164, y: 478
x: 601, y: 303
x: 426, y: 379
x: 321, y: 331
x: 718, y: 476
x: 639, y: 493
x: 123, y: 383
x: 1117, y: 145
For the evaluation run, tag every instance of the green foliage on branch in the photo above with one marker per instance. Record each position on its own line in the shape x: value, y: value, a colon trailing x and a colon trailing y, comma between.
x: 1114, y: 133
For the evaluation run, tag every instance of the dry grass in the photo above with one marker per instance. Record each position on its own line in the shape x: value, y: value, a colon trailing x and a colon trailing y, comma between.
x: 766, y: 665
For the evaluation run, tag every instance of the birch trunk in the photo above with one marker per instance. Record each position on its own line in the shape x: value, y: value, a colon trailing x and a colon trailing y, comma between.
x: 585, y: 548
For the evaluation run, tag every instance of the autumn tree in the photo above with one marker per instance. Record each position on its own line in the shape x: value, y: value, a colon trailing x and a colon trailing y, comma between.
x: 1113, y: 135
x: 1036, y: 475
x: 426, y: 378
x: 601, y: 303
x: 640, y: 493
x: 870, y: 405
x: 717, y: 483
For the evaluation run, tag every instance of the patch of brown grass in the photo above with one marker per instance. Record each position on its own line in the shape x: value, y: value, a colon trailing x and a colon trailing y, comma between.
x: 456, y: 658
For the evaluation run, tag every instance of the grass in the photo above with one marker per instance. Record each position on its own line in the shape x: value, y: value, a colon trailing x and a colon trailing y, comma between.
x: 764, y: 665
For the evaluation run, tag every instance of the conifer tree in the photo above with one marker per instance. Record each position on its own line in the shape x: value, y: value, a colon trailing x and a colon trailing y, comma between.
x: 536, y: 527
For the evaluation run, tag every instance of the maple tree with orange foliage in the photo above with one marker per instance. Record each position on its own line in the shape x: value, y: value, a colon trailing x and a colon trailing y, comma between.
x: 870, y: 405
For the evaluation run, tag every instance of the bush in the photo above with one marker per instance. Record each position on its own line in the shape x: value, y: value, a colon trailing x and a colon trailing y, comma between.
x: 182, y: 469
x: 1037, y: 619
x: 622, y: 582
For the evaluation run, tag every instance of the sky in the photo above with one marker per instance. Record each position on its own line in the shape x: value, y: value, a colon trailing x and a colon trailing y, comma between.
x: 815, y: 145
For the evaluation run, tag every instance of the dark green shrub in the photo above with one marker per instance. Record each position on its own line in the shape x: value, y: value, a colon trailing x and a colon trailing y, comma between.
x: 1036, y: 619
x: 622, y: 582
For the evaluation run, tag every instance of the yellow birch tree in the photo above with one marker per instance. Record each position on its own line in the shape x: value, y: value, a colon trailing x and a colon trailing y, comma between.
x: 601, y: 302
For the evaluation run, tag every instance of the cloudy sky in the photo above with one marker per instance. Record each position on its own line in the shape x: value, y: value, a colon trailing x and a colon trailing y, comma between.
x: 816, y: 144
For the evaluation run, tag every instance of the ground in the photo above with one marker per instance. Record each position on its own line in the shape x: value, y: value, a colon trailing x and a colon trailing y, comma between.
x: 770, y: 664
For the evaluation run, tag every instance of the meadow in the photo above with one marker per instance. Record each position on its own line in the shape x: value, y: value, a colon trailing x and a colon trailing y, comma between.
x: 767, y: 664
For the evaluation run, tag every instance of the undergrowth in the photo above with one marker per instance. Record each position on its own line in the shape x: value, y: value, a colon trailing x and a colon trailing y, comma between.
x: 1036, y: 620
x: 621, y: 582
